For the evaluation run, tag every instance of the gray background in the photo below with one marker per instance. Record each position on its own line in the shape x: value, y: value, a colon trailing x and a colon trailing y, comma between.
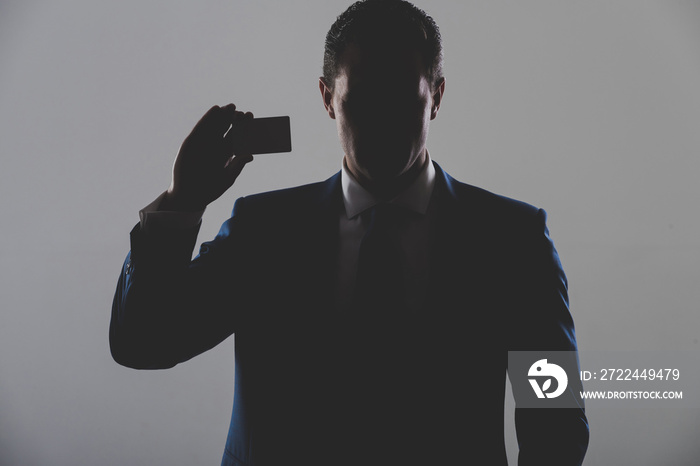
x: 588, y: 109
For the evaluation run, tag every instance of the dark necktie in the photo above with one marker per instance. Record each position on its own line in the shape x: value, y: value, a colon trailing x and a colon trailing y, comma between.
x: 380, y: 366
x: 379, y: 289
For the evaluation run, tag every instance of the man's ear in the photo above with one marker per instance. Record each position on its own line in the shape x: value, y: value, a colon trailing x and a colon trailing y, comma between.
x: 327, y: 95
x: 437, y: 98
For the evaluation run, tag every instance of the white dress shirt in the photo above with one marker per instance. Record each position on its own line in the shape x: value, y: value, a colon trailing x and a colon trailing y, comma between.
x: 414, y: 239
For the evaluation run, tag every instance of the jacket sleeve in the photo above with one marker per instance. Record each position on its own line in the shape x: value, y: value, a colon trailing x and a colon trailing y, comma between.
x: 168, y: 308
x: 546, y: 436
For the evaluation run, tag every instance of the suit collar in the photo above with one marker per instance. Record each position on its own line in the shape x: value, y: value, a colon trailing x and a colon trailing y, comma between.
x: 445, y: 184
x: 444, y: 199
x: 330, y: 195
x: 415, y: 197
x: 331, y: 188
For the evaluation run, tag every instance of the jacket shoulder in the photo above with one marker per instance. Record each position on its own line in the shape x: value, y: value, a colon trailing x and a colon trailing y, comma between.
x: 490, y: 205
x: 288, y: 201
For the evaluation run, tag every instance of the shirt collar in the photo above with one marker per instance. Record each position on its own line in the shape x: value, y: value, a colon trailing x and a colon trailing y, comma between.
x: 415, y: 197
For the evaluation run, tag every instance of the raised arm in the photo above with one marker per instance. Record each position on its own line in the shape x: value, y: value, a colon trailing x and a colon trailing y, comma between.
x: 167, y: 308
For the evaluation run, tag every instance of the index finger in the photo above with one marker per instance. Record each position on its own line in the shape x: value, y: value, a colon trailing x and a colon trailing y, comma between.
x: 216, y: 121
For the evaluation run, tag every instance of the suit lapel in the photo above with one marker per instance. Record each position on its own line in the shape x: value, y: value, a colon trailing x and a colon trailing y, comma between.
x: 465, y: 268
x: 449, y: 242
x: 322, y: 242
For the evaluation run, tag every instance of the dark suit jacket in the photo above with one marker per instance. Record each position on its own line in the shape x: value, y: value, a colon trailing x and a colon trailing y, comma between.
x: 314, y: 386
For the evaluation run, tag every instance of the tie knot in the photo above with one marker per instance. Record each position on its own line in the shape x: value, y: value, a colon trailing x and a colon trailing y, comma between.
x: 385, y: 216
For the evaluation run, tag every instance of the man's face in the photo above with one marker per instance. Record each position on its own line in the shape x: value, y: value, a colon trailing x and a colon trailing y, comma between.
x: 382, y: 103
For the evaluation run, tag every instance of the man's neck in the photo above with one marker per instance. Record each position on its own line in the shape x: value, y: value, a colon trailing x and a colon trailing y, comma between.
x: 389, y: 189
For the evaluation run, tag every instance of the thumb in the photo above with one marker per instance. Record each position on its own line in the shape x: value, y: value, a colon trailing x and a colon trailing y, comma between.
x: 235, y: 165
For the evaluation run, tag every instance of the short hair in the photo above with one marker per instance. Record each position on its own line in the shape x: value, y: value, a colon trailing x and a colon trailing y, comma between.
x: 369, y: 23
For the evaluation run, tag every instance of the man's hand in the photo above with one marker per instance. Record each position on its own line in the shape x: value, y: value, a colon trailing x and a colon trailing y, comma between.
x: 205, y: 166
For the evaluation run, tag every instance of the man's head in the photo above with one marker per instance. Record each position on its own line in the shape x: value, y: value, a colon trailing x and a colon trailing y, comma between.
x: 382, y: 83
x: 375, y: 23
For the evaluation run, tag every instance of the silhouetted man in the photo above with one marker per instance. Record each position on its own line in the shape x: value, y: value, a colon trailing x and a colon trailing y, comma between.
x: 373, y: 312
